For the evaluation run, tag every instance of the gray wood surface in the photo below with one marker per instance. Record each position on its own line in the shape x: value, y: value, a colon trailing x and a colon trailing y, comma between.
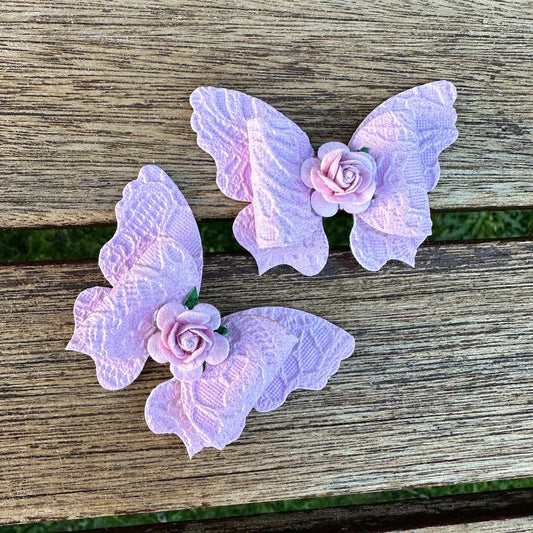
x: 489, y: 509
x: 90, y: 91
x: 513, y: 525
x: 438, y: 390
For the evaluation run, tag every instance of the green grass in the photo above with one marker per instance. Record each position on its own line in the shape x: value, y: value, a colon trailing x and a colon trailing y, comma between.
x: 79, y: 243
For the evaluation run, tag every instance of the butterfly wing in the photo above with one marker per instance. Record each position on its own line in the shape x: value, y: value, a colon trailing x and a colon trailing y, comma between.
x: 259, y: 153
x: 400, y: 205
x: 405, y: 135
x: 373, y: 248
x: 432, y: 106
x: 154, y: 256
x: 313, y: 360
x: 113, y: 325
x: 273, y: 350
x: 152, y: 208
x: 212, y: 411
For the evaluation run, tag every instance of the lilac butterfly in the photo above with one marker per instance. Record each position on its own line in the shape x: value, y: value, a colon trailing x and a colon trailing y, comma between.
x: 222, y: 367
x: 382, y: 176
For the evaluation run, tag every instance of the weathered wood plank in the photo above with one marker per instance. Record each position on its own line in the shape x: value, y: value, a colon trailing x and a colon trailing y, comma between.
x: 90, y: 91
x: 513, y: 525
x: 439, y: 390
x: 489, y: 508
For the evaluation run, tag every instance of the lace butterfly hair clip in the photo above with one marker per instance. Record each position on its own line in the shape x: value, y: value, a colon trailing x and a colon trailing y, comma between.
x: 381, y: 177
x: 221, y: 368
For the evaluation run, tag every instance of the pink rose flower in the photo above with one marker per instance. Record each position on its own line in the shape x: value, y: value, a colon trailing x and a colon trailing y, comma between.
x: 340, y: 178
x: 186, y: 338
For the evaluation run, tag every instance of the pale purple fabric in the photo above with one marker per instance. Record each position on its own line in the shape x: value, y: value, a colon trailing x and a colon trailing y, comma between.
x: 313, y: 360
x: 154, y: 256
x: 152, y: 207
x: 267, y: 353
x: 261, y: 152
x: 274, y: 350
x: 116, y: 332
x: 258, y: 152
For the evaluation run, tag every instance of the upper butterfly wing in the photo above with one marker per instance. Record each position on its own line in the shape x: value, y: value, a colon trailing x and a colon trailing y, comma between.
x: 155, y: 255
x: 152, y: 208
x: 212, y: 411
x: 432, y: 106
x: 259, y: 153
x: 400, y: 205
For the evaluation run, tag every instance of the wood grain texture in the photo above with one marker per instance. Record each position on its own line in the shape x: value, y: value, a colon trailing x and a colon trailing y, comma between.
x: 514, y: 525
x: 439, y: 390
x: 501, y: 507
x: 90, y: 91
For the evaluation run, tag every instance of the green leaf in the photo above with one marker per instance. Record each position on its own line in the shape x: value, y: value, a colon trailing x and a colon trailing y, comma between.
x: 365, y: 149
x: 223, y: 330
x: 192, y: 299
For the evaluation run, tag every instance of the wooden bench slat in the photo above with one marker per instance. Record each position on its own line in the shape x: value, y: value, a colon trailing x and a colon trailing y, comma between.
x: 437, y: 392
x: 89, y: 93
x: 513, y: 525
x: 494, y: 509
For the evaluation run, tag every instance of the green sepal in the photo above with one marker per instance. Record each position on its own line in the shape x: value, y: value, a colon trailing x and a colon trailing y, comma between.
x: 365, y: 149
x: 223, y: 330
x: 192, y: 299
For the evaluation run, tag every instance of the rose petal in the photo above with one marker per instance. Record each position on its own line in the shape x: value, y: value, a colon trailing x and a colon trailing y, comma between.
x: 323, y: 184
x: 187, y: 373
x: 189, y: 342
x: 198, y: 355
x: 210, y: 310
x: 191, y: 316
x: 156, y: 350
x: 202, y: 330
x: 318, y: 182
x: 170, y: 341
x: 364, y: 195
x: 362, y: 159
x: 219, y: 351
x: 328, y: 147
x: 371, y: 161
x: 305, y: 170
x: 330, y: 163
x: 367, y: 181
x: 322, y: 206
x: 354, y: 208
x: 169, y: 310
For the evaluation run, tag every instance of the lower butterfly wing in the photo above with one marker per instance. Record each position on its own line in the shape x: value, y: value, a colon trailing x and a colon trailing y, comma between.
x: 314, y: 358
x: 212, y: 411
x: 373, y: 248
x: 111, y: 373
x: 259, y: 153
x: 307, y: 256
x: 153, y: 208
x: 432, y: 107
x: 112, y: 325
